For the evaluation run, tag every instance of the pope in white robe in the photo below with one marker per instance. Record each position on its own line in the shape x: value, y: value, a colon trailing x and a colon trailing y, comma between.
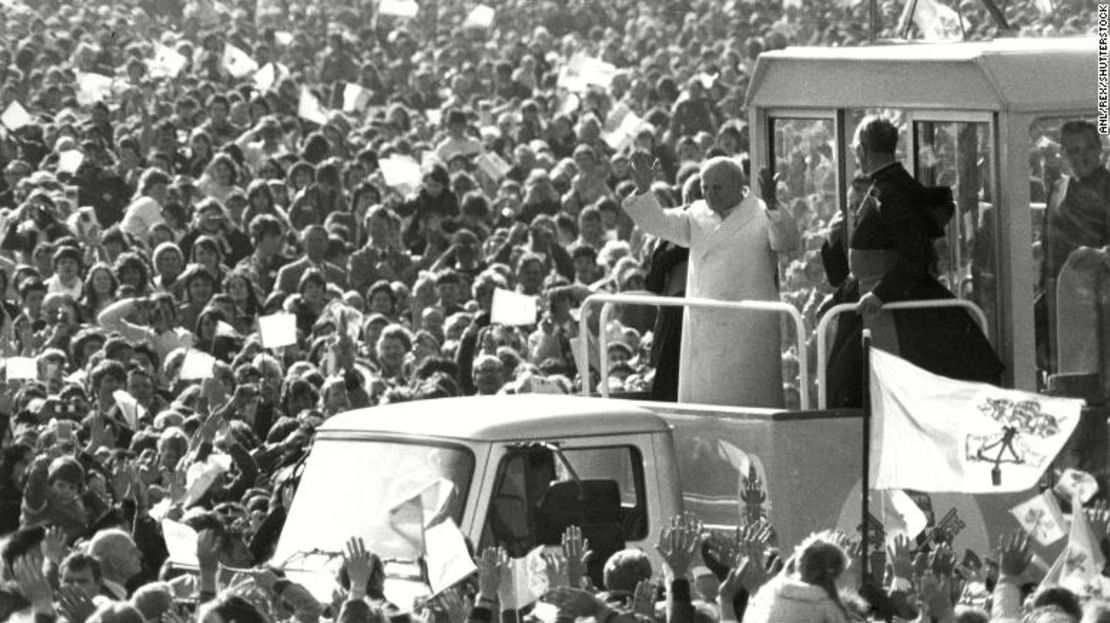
x: 729, y: 357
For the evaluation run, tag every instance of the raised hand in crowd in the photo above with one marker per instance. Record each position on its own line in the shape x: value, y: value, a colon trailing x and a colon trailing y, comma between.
x: 556, y: 566
x: 577, y: 552
x: 1098, y: 516
x: 643, y: 599
x: 454, y: 605
x: 54, y: 547
x: 679, y: 544
x: 74, y: 605
x: 899, y: 558
x: 1014, y: 555
x: 490, y: 564
x: 28, y: 574
x: 356, y: 560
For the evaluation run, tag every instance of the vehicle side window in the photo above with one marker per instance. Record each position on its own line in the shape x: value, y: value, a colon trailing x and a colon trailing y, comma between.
x: 535, y: 498
x: 624, y: 465
x: 804, y: 155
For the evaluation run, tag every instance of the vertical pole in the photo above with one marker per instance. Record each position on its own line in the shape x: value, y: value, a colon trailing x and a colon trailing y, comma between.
x: 906, y: 21
x: 872, y: 21
x: 865, y: 480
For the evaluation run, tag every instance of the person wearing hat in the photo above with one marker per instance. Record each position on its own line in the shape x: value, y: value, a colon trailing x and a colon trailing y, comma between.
x: 67, y: 272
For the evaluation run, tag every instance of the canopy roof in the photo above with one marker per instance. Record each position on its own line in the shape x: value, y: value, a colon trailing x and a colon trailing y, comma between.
x: 1017, y: 75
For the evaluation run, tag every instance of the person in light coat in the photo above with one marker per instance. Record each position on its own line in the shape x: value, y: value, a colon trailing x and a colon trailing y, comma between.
x: 805, y: 591
x: 728, y: 357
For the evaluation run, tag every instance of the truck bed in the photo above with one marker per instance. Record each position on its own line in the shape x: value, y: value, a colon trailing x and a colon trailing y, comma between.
x: 809, y: 463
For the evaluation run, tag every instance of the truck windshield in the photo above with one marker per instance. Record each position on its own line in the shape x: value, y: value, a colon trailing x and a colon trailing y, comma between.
x: 349, y: 487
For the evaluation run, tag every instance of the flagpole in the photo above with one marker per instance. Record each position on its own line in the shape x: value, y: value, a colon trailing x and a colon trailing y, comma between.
x: 865, y: 479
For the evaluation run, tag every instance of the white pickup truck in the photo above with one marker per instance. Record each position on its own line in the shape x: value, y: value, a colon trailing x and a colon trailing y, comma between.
x: 524, y: 467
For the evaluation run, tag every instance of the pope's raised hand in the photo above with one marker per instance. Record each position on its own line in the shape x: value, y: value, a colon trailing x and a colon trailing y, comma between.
x: 643, y: 170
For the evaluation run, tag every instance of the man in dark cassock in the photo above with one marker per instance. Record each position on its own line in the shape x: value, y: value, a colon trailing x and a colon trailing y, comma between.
x: 891, y: 258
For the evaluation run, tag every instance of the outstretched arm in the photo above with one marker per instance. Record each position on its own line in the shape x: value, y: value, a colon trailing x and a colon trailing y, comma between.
x: 644, y: 209
x: 671, y: 225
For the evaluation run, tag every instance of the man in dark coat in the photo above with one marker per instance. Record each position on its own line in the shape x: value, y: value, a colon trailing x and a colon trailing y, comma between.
x: 892, y: 258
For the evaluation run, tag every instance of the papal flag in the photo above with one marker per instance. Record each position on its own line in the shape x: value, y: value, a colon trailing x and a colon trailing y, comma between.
x: 1079, y: 566
x: 931, y: 433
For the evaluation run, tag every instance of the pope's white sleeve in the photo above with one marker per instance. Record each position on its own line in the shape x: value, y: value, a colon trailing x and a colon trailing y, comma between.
x: 672, y: 225
x: 783, y: 231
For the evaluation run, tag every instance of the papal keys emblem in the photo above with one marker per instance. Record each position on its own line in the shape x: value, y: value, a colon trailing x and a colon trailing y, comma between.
x: 1017, y: 420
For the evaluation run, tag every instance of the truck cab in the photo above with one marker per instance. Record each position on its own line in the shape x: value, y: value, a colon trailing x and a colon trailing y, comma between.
x: 517, y: 471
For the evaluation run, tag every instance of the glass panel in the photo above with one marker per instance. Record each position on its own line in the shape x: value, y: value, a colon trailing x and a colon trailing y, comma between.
x: 1070, y: 198
x: 531, y: 483
x: 348, y: 488
x: 805, y: 156
x: 607, y: 463
x: 958, y: 155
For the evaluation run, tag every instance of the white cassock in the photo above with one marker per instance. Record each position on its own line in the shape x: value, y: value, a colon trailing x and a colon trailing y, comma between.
x: 728, y: 357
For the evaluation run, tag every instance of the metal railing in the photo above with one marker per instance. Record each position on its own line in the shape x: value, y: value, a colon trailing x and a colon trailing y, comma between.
x: 826, y: 320
x: 608, y: 300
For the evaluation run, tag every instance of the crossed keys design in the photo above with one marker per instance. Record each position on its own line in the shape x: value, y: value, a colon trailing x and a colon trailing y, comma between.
x: 1018, y: 419
x: 948, y: 527
x: 1076, y: 560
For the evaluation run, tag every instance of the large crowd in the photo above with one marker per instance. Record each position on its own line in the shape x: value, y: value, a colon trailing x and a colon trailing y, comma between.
x: 173, y: 172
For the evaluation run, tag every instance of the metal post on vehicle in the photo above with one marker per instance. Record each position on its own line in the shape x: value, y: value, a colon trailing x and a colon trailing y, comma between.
x: 865, y: 478
x: 608, y: 300
x: 835, y: 311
